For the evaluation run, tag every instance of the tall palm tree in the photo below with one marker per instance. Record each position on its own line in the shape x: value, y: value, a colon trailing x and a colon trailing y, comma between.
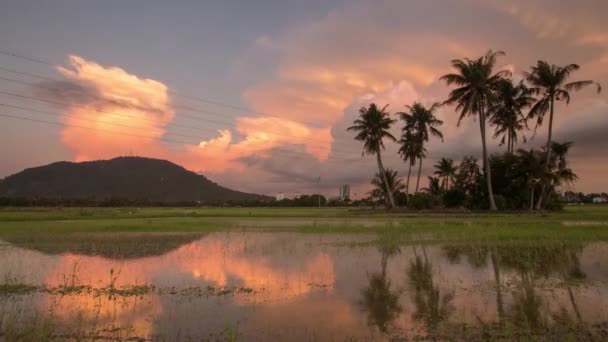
x: 412, y: 148
x: 422, y: 123
x: 394, y: 184
x: 531, y: 167
x: 507, y: 111
x: 373, y: 127
x: 549, y: 83
x: 476, y: 85
x: 445, y: 169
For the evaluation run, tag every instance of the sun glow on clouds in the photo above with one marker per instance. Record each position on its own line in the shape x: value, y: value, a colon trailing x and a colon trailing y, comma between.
x: 126, y: 114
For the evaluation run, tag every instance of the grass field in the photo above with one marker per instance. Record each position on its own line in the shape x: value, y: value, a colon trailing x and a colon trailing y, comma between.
x: 574, y: 222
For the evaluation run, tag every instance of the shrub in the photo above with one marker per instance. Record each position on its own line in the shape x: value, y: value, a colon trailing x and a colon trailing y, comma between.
x: 422, y: 200
x: 454, y: 198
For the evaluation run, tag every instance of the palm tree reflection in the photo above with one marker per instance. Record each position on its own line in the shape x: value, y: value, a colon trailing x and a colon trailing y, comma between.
x: 432, y: 307
x: 378, y: 299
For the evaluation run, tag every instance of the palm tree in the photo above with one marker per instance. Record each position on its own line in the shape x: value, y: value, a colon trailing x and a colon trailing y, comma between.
x: 373, y: 126
x: 548, y: 81
x: 421, y: 122
x: 412, y: 148
x: 476, y: 84
x: 559, y: 172
x: 530, y: 165
x: 394, y: 184
x: 446, y: 169
x: 434, y: 187
x: 507, y: 111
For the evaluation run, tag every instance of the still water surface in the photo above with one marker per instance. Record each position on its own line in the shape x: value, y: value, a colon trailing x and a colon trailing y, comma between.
x: 290, y: 286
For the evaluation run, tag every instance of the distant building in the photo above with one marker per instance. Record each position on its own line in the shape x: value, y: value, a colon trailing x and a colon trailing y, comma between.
x: 599, y: 200
x: 280, y: 196
x: 344, y: 192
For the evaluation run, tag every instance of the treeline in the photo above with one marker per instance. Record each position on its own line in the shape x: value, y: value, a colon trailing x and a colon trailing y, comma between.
x: 121, y: 202
x: 301, y: 201
x: 515, y: 179
x: 579, y: 197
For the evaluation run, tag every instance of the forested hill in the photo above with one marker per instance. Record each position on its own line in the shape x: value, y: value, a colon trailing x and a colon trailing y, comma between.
x: 132, y: 178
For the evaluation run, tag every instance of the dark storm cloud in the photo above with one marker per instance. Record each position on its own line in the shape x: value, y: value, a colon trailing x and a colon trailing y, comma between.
x: 67, y: 93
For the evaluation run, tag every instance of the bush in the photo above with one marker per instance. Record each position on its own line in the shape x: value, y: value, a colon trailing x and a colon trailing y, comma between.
x: 454, y: 198
x: 501, y: 202
x: 422, y: 200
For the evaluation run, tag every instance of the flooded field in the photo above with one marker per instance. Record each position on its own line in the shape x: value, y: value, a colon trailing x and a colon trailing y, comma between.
x: 248, y: 285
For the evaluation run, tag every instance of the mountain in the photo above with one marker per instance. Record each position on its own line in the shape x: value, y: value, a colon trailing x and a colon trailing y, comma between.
x: 132, y: 178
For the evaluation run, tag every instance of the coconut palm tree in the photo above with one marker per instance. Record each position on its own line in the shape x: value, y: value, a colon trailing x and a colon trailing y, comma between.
x: 531, y: 167
x: 550, y: 83
x: 507, y: 111
x: 476, y: 85
x: 446, y: 170
x: 412, y: 148
x: 434, y: 188
x: 373, y: 127
x: 394, y: 184
x: 422, y: 123
x: 559, y: 172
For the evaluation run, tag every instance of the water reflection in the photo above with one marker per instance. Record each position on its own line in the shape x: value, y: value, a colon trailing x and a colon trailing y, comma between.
x: 378, y: 299
x: 277, y: 286
x: 432, y: 305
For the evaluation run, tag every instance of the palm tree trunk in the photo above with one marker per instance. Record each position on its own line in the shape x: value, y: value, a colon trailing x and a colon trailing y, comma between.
x: 532, y: 197
x: 419, y: 170
x: 391, y: 201
x: 407, y: 186
x: 499, y: 299
x: 486, y: 164
x: 539, y: 204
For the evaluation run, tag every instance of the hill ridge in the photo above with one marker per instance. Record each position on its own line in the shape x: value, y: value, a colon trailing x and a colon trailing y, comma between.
x: 132, y: 178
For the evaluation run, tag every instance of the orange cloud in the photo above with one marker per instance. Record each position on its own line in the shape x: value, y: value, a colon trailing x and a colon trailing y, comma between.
x: 128, y: 114
x: 261, y: 135
x: 137, y: 109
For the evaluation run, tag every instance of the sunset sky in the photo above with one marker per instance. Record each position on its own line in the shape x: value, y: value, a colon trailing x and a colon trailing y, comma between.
x: 257, y: 95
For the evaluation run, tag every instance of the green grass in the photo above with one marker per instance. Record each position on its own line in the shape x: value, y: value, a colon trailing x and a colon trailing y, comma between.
x: 575, y: 222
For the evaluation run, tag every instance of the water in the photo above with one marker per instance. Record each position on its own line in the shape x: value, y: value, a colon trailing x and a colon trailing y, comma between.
x: 290, y: 286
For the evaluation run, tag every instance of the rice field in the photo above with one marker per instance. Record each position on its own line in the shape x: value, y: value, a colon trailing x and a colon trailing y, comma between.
x: 285, y: 274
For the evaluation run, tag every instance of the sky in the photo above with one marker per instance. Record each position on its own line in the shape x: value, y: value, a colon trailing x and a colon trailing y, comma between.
x: 257, y: 95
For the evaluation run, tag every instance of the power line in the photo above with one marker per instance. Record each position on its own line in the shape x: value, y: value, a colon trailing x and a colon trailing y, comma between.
x: 91, y: 128
x: 203, y: 100
x: 205, y: 120
x: 192, y: 97
x: 132, y: 127
x: 317, y: 147
x: 274, y: 150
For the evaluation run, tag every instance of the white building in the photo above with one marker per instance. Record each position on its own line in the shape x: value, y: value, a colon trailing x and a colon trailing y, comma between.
x: 280, y: 196
x: 599, y: 200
